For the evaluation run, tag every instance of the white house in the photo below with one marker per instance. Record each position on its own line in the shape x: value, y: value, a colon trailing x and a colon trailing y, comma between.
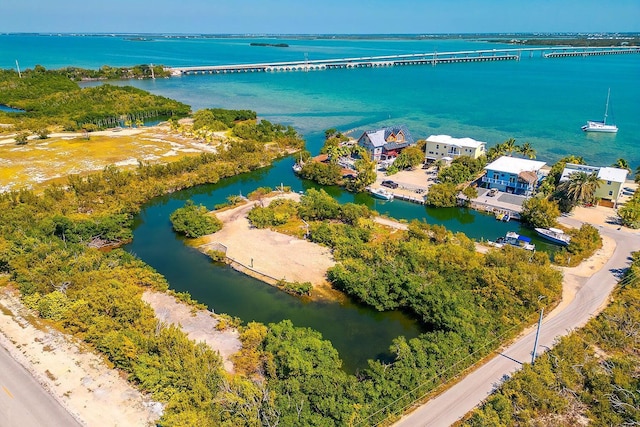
x: 446, y: 147
x: 612, y: 179
x: 513, y: 175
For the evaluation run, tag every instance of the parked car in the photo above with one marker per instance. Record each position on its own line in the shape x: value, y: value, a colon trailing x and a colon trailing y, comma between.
x: 389, y: 184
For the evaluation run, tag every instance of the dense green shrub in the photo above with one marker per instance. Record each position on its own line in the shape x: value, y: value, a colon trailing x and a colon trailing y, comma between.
x: 279, y: 212
x: 322, y: 173
x: 194, y: 221
x: 590, y: 377
x: 630, y: 212
x: 442, y: 195
x: 539, y: 212
x: 584, y: 242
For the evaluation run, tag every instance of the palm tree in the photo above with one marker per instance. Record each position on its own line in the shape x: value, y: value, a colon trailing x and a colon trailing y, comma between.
x: 495, y: 152
x: 622, y: 164
x: 509, y: 146
x: 581, y: 186
x: 526, y: 150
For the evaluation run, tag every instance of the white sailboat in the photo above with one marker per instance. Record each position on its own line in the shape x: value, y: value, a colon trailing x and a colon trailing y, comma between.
x: 595, y: 126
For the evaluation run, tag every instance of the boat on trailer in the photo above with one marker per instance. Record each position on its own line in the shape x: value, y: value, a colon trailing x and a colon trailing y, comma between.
x: 554, y: 235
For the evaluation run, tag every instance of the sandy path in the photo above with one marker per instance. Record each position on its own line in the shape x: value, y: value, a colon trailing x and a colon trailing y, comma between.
x: 274, y: 254
x: 78, y: 378
x: 199, y: 326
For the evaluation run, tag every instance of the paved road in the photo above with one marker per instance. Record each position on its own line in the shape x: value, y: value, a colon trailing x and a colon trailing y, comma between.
x: 23, y: 401
x: 454, y: 403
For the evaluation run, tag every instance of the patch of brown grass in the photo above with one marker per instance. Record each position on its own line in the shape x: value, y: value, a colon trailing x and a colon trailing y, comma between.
x: 45, y: 160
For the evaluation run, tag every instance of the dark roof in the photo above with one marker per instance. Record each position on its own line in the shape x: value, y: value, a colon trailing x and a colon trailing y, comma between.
x: 395, y: 146
x: 374, y: 136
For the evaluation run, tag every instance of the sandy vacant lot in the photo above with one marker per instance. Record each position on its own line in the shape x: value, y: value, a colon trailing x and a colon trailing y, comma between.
x: 199, y: 326
x: 270, y: 253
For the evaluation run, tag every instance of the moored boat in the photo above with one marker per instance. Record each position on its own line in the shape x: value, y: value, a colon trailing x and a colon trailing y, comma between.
x: 596, y: 126
x: 503, y: 216
x: 554, y: 235
x: 380, y: 193
x: 514, y: 239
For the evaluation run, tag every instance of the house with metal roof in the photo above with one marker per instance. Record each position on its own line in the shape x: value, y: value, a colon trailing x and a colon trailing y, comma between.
x: 386, y: 143
x: 445, y: 147
x: 611, y: 179
x: 513, y: 175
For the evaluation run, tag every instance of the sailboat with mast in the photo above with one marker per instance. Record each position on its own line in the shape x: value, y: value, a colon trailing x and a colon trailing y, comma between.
x: 595, y: 126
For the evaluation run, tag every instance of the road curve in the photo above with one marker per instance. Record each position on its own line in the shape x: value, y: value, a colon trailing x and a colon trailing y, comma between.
x: 590, y: 298
x: 23, y: 400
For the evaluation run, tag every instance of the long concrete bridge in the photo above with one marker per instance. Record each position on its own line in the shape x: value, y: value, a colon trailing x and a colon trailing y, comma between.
x: 431, y: 58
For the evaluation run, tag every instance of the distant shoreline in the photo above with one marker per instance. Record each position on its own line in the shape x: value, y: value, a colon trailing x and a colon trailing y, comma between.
x: 270, y: 44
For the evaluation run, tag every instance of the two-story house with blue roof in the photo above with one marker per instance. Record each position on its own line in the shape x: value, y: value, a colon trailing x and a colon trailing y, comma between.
x: 385, y: 143
x: 513, y: 175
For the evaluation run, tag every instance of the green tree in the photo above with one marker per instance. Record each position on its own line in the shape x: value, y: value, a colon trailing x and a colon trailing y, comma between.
x: 365, y: 173
x: 322, y: 173
x: 471, y: 193
x: 194, y: 221
x: 630, y: 212
x: 442, y: 195
x: 622, y: 164
x: 526, y: 150
x: 43, y: 133
x: 318, y: 205
x: 509, y: 146
x: 21, y: 138
x: 409, y: 158
x: 581, y: 187
x: 539, y: 212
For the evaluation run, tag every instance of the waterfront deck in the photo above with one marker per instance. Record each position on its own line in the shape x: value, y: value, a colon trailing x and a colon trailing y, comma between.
x: 430, y: 58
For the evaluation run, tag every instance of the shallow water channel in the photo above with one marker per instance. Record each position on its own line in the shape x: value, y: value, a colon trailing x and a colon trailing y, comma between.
x: 358, y: 333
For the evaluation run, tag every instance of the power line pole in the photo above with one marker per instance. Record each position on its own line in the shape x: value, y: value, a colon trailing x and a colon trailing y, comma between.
x: 535, y: 344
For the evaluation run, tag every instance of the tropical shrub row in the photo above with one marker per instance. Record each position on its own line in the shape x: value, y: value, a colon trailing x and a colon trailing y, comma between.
x: 590, y: 377
x: 52, y: 98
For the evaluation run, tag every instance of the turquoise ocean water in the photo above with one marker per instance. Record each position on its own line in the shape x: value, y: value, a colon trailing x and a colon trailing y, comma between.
x: 542, y: 101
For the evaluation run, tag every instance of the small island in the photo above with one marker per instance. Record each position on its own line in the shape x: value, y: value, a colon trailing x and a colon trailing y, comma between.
x: 270, y: 44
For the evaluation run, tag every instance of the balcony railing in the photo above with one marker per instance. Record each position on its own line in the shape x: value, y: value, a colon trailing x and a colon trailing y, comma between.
x: 506, y: 183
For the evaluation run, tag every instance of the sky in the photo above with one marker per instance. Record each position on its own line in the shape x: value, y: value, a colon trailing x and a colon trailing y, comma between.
x: 323, y: 17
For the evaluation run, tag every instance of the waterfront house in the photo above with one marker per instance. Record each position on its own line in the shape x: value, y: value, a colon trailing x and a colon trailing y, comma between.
x: 445, y: 147
x: 513, y: 175
x: 612, y: 179
x: 386, y: 143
